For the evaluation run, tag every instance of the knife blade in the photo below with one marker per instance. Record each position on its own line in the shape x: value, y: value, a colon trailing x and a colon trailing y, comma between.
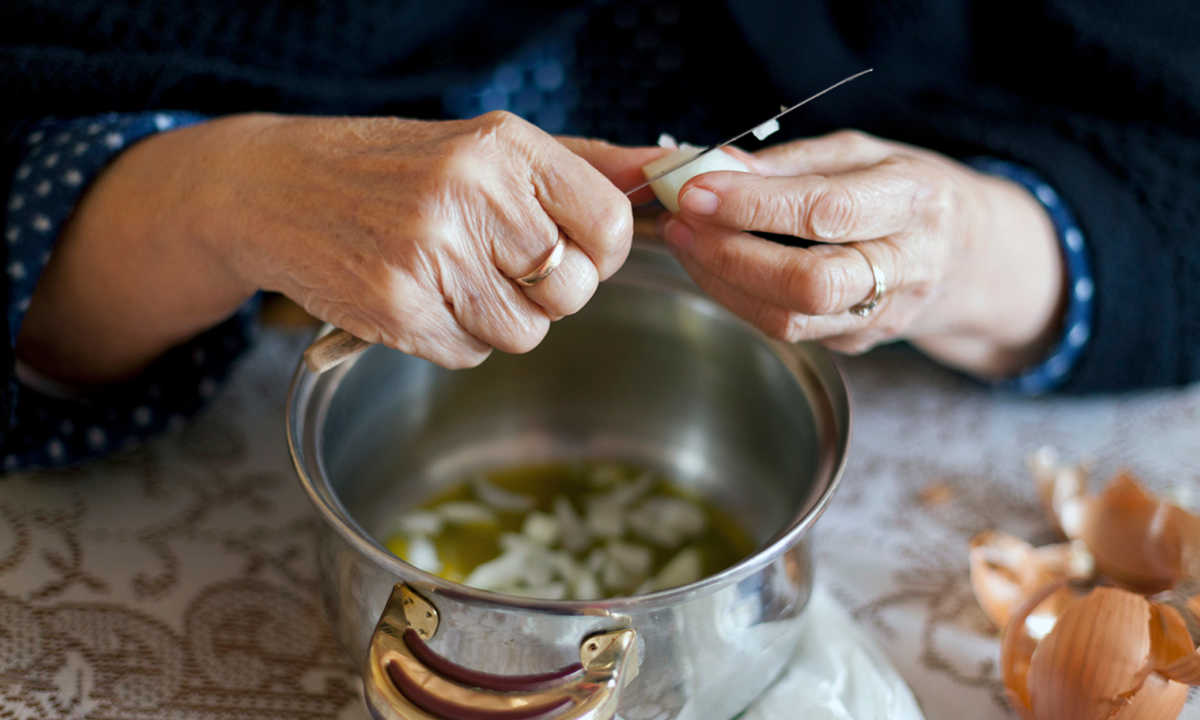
x: 783, y: 111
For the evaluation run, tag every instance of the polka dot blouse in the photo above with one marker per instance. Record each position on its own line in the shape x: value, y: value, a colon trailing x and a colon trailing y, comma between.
x: 51, y: 425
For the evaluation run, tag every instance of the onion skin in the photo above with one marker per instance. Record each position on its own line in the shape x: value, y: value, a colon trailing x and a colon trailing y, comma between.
x: 1111, y: 654
x: 1158, y: 699
x: 1138, y: 540
x: 1092, y: 663
x: 1062, y: 489
x: 1016, y: 651
x: 1005, y: 570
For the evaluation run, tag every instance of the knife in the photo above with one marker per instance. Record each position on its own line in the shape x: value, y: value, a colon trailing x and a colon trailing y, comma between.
x: 773, y: 119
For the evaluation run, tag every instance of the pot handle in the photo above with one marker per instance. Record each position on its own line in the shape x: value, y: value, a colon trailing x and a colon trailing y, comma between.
x: 405, y: 679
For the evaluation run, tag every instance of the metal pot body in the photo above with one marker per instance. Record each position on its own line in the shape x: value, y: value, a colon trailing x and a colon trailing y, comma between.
x: 650, y: 371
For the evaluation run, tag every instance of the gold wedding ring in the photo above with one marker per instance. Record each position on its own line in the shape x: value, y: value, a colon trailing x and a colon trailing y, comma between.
x: 866, y: 307
x: 552, y: 261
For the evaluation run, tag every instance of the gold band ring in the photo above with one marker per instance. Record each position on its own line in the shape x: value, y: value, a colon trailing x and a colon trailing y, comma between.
x: 552, y: 261
x: 866, y: 307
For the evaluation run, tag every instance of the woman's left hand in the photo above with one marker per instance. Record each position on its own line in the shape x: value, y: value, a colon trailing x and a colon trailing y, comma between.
x: 971, y: 263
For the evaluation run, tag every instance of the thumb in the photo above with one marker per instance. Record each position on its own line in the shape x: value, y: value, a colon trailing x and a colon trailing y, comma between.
x: 620, y: 164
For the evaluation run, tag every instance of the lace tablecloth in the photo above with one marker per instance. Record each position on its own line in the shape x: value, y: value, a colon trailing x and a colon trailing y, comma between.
x: 177, y: 581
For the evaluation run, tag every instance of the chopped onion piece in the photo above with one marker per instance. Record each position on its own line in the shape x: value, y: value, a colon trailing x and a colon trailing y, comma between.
x: 616, y: 578
x: 498, y: 573
x: 666, y: 141
x: 635, y: 558
x: 419, y: 522
x: 541, y: 528
x: 667, y: 521
x: 570, y: 526
x: 421, y: 554
x: 549, y: 591
x: 604, y: 518
x: 585, y: 587
x: 683, y: 569
x: 770, y: 127
x: 500, y: 498
x: 596, y: 560
x: 466, y: 513
x: 631, y: 492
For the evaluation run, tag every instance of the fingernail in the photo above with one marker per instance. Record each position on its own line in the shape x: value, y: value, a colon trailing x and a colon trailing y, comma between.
x: 699, y: 201
x: 679, y: 235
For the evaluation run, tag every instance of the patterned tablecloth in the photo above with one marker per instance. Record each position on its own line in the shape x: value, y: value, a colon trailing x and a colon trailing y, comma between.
x: 177, y: 581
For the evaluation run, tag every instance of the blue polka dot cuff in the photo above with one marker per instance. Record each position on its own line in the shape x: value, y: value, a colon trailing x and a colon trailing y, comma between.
x: 49, y: 425
x: 1077, y: 322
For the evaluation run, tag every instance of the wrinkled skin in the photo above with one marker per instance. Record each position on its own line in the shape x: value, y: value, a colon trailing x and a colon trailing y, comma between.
x: 402, y: 232
x: 971, y: 262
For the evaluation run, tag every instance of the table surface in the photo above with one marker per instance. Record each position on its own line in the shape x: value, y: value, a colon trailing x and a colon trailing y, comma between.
x: 178, y: 580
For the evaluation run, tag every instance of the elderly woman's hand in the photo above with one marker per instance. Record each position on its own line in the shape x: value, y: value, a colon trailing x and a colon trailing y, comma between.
x: 403, y: 232
x: 411, y: 233
x: 971, y: 263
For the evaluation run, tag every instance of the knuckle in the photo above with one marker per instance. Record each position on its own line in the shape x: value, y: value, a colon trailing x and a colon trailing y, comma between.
x: 859, y: 346
x: 718, y: 258
x: 798, y: 327
x: 465, y: 359
x: 817, y: 289
x: 833, y: 211
x: 775, y: 323
x: 853, y: 138
x: 527, y: 334
x: 501, y: 120
x: 578, y: 299
x: 759, y: 210
x: 615, y: 229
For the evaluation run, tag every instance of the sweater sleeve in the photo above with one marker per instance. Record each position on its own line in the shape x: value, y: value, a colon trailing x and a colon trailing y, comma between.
x: 46, y: 424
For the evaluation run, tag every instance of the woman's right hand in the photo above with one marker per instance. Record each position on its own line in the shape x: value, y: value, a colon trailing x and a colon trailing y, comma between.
x: 410, y: 233
x: 403, y: 232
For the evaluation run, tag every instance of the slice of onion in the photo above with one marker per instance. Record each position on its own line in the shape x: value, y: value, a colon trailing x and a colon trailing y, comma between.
x: 767, y: 129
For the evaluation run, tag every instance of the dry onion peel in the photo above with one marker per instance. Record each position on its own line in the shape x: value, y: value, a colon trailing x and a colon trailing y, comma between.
x: 1017, y: 648
x: 1138, y: 540
x: 1005, y: 570
x: 1062, y: 488
x: 1176, y: 655
x: 1077, y: 672
x: 1109, y: 655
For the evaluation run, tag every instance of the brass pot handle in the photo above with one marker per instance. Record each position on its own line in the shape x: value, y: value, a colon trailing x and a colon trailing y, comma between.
x: 405, y: 679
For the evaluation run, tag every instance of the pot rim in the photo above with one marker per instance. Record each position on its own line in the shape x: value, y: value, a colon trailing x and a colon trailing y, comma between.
x: 356, y: 536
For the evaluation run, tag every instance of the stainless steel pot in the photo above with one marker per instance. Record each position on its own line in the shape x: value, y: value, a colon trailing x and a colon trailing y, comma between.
x: 650, y: 371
